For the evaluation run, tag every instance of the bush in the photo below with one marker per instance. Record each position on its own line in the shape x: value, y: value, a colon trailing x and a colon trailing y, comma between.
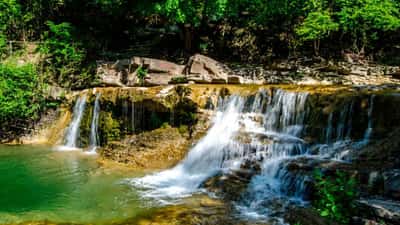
x: 141, y: 73
x: 3, y: 45
x: 20, y: 96
x: 64, y: 53
x: 335, y: 196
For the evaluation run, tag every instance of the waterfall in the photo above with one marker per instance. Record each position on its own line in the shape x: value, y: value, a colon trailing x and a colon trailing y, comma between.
x: 71, y: 137
x: 368, y: 131
x: 220, y: 149
x: 133, y: 116
x: 267, y: 129
x: 94, y: 138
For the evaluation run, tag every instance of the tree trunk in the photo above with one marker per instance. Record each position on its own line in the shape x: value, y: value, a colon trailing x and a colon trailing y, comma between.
x: 316, y: 47
x: 188, y: 37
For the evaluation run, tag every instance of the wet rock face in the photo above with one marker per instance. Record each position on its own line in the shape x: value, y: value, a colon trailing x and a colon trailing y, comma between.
x: 123, y: 117
x: 381, y: 210
x: 231, y: 186
x: 129, y: 111
x: 392, y: 184
x: 156, y: 149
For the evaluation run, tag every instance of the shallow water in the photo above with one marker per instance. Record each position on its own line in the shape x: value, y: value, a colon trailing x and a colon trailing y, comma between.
x: 39, y: 183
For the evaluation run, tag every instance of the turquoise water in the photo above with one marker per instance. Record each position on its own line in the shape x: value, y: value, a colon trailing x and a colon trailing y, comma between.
x: 39, y: 183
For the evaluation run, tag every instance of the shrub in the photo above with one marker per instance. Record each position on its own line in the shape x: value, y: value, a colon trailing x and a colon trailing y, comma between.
x: 64, y: 54
x: 141, y: 73
x: 21, y: 99
x: 335, y: 196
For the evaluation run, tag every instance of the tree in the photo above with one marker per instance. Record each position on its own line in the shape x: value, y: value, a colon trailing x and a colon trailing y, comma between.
x: 316, y: 26
x: 364, y: 19
x: 190, y: 14
x: 63, y: 51
x: 9, y: 13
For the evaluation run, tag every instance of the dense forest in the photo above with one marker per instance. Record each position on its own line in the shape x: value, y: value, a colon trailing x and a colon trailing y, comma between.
x: 246, y: 30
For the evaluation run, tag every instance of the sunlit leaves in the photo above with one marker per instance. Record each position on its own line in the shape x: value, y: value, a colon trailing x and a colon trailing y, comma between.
x: 316, y: 26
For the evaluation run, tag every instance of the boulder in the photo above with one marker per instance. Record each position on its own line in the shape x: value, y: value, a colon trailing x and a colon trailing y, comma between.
x: 202, y: 69
x: 155, y: 79
x: 110, y: 76
x: 159, y: 66
x: 123, y: 72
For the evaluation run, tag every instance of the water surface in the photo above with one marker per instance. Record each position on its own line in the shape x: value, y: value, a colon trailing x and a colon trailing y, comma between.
x: 39, y: 183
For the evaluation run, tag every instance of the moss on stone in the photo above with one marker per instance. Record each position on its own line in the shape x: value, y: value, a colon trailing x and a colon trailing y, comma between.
x: 109, y: 128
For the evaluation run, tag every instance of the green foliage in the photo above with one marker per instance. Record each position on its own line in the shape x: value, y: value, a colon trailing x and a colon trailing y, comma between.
x: 9, y: 11
x: 20, y: 95
x: 335, y: 196
x: 109, y: 128
x: 316, y: 26
x: 362, y: 19
x: 249, y: 30
x: 141, y: 73
x: 3, y: 45
x: 64, y: 53
x: 9, y: 14
x: 192, y: 11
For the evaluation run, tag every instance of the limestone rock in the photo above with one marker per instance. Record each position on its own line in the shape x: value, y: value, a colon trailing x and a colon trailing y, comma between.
x: 202, y: 69
x: 123, y: 72
x: 158, y: 65
x: 154, y: 79
x: 112, y: 80
x: 110, y: 74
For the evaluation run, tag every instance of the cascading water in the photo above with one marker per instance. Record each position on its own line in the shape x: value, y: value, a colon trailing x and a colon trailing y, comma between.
x: 202, y: 162
x: 71, y: 136
x: 94, y: 125
x: 368, y: 132
x: 267, y: 129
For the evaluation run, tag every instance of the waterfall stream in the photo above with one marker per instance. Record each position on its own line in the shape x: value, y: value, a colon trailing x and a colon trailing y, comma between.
x: 267, y: 129
x: 71, y: 136
x: 94, y: 125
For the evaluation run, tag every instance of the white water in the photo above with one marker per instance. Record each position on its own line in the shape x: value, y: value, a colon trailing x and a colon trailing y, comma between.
x: 202, y: 162
x: 220, y: 151
x: 94, y: 137
x: 268, y: 130
x: 71, y: 136
x: 368, y: 132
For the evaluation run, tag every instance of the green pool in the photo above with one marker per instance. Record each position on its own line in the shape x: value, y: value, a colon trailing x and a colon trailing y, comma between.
x: 39, y: 183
